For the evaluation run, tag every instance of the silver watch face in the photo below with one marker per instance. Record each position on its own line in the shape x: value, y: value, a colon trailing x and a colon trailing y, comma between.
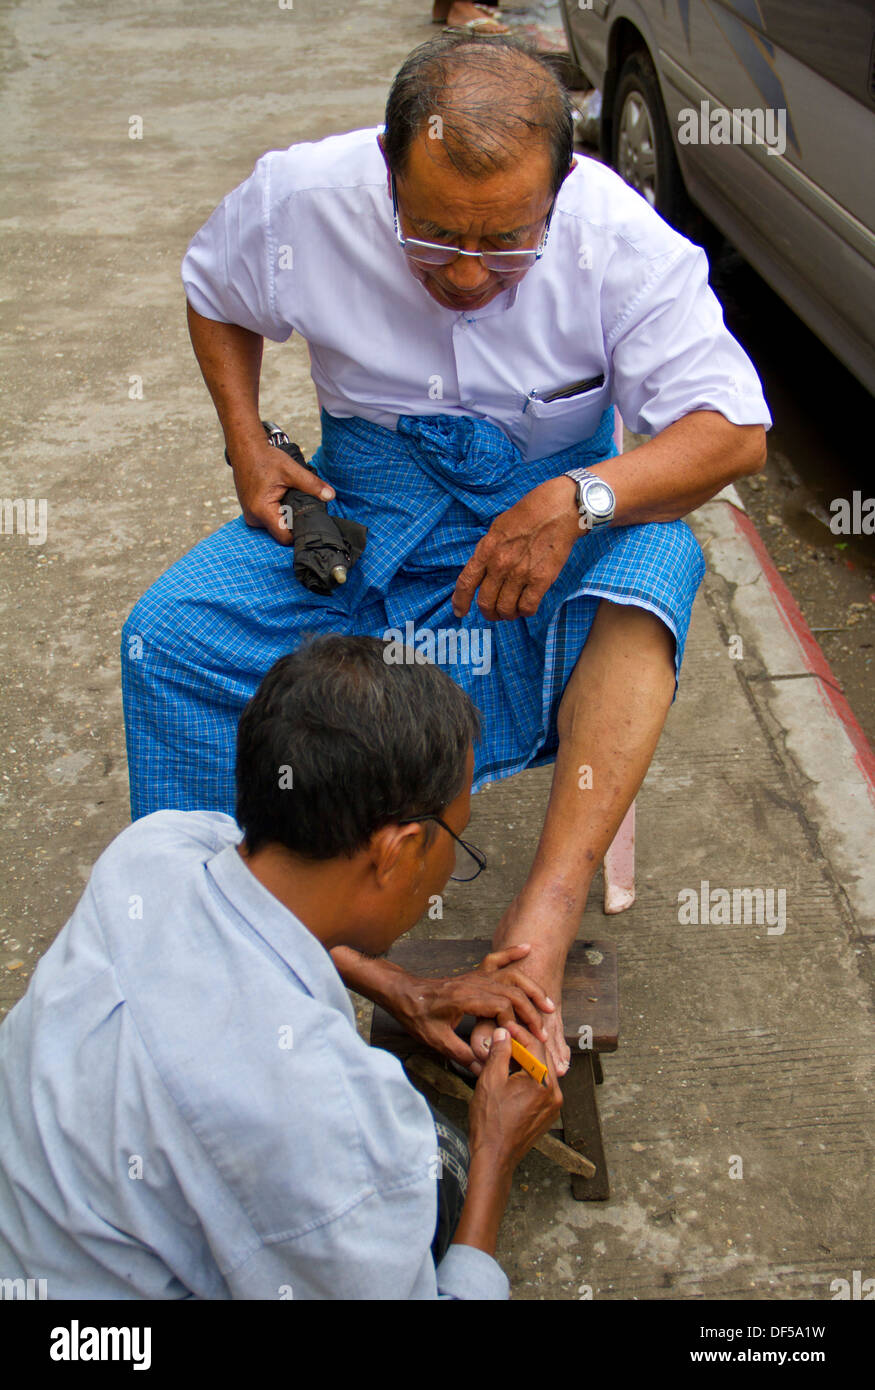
x: 599, y: 499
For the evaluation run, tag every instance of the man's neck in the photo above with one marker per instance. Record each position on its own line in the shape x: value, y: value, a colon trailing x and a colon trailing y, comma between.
x: 317, y: 893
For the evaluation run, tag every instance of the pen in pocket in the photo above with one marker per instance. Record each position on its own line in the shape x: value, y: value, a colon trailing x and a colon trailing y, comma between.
x: 576, y: 388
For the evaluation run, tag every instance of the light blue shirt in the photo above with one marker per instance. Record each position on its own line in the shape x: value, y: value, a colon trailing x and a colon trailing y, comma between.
x: 307, y: 245
x: 188, y: 1109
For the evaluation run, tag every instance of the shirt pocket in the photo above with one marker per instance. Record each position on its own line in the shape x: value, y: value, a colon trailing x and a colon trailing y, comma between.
x: 551, y: 425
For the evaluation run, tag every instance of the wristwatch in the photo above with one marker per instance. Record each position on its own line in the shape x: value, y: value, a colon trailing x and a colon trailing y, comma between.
x: 275, y: 436
x: 595, y: 499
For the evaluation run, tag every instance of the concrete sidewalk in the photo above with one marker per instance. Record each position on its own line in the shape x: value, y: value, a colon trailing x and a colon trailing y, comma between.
x: 735, y: 1042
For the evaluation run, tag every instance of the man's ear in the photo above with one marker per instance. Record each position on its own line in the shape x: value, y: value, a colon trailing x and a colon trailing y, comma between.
x: 385, y: 160
x: 394, y: 847
x: 572, y: 166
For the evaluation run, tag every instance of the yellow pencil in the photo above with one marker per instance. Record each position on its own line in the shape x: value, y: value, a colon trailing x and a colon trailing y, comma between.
x: 536, y: 1070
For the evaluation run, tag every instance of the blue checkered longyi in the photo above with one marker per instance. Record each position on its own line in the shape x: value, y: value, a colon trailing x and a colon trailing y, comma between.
x: 200, y: 639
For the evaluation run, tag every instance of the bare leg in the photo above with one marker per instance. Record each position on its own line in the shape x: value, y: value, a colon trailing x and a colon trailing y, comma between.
x: 610, y: 719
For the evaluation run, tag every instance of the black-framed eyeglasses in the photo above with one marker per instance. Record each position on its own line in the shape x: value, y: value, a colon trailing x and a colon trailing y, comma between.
x: 433, y: 253
x: 469, y: 863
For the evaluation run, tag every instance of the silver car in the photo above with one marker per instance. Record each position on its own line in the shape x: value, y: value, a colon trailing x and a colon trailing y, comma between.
x: 762, y: 114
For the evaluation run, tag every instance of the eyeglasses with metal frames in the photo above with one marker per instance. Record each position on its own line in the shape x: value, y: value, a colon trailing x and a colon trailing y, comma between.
x: 474, y: 854
x: 433, y: 253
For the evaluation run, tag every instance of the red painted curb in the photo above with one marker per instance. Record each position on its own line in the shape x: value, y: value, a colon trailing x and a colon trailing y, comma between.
x: 812, y: 655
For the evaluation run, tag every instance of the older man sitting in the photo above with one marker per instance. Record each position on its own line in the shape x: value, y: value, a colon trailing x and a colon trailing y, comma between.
x: 475, y: 301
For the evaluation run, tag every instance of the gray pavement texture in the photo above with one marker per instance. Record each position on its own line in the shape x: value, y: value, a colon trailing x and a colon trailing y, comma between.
x: 736, y: 1043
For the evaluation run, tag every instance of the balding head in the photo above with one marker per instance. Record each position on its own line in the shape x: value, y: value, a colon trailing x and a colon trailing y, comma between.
x: 486, y: 98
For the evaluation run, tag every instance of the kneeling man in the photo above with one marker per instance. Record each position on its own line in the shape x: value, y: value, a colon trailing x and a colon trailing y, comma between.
x: 188, y: 1108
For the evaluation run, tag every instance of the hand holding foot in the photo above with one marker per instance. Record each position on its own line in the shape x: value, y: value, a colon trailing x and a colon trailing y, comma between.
x: 546, y: 972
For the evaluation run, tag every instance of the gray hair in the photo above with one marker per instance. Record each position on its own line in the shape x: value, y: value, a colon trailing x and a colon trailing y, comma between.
x: 492, y: 93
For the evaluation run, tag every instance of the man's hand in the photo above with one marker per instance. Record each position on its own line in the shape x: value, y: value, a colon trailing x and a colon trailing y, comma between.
x: 262, y: 474
x: 521, y: 554
x: 431, y: 1009
x: 230, y: 358
x: 509, y: 1113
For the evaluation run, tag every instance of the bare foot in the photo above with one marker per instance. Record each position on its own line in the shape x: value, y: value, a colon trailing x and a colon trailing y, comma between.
x: 549, y: 922
x: 460, y: 12
x: 548, y: 974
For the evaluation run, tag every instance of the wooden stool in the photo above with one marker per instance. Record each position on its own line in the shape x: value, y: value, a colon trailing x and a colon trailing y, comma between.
x: 591, y: 1018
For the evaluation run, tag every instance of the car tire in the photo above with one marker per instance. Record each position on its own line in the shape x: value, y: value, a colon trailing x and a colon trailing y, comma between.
x: 642, y: 149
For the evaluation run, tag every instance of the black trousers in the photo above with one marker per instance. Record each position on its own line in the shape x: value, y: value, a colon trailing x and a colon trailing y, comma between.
x: 452, y: 1159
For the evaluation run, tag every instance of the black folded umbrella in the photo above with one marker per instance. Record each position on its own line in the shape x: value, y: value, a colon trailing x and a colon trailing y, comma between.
x: 326, y: 547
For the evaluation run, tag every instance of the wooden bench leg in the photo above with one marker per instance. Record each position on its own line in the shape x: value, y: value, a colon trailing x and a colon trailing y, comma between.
x: 581, y: 1127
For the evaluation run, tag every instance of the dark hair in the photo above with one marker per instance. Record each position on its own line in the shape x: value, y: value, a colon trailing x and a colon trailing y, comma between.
x: 491, y: 92
x: 336, y: 743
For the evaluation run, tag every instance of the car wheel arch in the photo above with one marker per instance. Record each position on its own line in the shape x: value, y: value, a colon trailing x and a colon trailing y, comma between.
x: 624, y: 39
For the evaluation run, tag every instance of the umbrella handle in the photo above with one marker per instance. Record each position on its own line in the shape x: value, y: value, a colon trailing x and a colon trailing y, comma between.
x: 352, y: 535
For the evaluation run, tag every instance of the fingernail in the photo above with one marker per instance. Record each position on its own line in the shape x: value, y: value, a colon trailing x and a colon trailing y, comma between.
x: 500, y: 1034
x: 487, y: 1043
x: 326, y: 494
x: 550, y: 1004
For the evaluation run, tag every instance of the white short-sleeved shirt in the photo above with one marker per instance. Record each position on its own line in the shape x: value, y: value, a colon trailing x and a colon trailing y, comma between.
x: 307, y: 244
